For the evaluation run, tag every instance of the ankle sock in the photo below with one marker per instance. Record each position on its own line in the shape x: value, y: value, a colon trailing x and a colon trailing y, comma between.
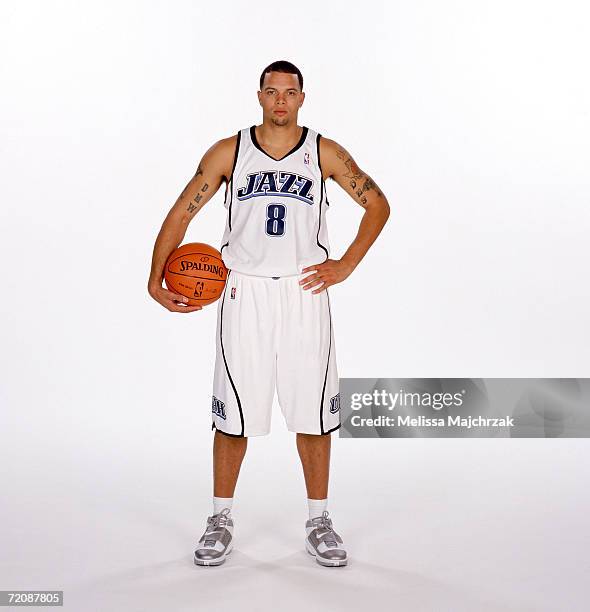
x: 219, y: 503
x: 316, y: 507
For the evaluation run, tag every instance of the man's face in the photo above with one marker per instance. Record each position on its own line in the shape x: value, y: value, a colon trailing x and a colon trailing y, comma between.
x: 280, y: 98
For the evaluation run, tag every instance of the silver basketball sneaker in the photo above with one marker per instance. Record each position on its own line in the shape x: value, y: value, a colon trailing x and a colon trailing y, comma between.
x: 216, y: 543
x: 324, y: 543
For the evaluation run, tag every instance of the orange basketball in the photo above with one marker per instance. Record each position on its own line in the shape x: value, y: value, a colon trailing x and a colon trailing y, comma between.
x: 196, y: 271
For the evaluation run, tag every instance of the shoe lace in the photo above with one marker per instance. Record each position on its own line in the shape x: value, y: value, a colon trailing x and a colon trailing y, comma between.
x: 327, y: 530
x: 214, y: 523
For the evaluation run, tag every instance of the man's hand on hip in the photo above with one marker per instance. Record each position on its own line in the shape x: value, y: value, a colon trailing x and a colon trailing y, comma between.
x: 326, y: 274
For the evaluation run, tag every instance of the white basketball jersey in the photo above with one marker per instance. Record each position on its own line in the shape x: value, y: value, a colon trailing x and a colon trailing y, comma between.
x: 276, y: 209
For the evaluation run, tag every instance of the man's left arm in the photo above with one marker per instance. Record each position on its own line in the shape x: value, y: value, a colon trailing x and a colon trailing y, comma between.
x: 339, y: 165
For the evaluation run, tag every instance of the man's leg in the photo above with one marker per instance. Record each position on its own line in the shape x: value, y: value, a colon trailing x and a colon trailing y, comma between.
x: 308, y: 393
x: 321, y: 541
x: 216, y: 543
x: 314, y: 452
x: 228, y: 453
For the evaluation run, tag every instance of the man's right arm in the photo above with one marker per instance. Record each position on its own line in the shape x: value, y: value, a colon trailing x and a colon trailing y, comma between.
x: 214, y: 169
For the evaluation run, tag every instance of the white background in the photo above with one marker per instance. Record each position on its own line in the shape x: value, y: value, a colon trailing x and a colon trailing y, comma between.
x: 473, y: 117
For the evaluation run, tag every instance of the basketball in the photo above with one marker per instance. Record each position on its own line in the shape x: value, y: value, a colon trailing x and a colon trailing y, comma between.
x: 196, y: 271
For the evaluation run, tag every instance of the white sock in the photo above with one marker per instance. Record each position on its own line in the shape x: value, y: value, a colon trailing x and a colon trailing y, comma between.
x: 219, y: 503
x: 316, y: 507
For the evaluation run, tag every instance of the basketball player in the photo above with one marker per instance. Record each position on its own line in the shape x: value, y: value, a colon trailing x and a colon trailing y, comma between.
x: 274, y: 325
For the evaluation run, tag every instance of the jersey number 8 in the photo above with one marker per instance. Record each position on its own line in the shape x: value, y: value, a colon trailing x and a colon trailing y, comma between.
x: 275, y: 219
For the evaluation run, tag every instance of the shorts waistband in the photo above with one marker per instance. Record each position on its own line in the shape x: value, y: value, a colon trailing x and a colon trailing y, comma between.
x: 257, y: 277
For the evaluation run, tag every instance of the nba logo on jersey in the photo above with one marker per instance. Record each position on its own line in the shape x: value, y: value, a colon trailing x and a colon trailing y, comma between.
x: 218, y: 407
x: 335, y: 403
x: 233, y: 293
x: 306, y: 159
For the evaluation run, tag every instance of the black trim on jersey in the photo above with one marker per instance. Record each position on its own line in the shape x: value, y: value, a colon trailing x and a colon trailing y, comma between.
x: 231, y: 200
x: 223, y: 353
x: 326, y: 375
x: 297, y: 146
x: 230, y: 181
x: 236, y: 153
x: 317, y: 239
x: 323, y: 187
x: 317, y: 142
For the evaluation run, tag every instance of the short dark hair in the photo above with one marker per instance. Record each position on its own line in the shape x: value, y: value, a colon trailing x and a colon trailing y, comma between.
x: 282, y: 66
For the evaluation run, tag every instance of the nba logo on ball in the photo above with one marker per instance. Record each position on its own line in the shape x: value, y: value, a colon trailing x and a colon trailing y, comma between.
x: 335, y: 403
x: 233, y: 293
x: 198, y: 292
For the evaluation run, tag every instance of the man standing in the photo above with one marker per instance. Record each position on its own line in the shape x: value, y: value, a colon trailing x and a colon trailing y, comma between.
x: 274, y: 325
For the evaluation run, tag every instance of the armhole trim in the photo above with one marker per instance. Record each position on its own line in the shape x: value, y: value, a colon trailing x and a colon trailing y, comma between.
x: 229, y: 186
x: 238, y: 139
x: 324, y: 191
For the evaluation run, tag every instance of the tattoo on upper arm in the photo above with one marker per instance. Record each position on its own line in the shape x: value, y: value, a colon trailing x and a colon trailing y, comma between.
x: 352, y: 170
x: 358, y: 180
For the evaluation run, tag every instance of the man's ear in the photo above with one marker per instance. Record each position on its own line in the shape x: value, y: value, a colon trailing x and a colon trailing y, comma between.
x: 302, y: 99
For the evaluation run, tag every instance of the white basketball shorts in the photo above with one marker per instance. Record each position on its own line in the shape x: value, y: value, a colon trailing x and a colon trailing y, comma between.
x: 273, y: 334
